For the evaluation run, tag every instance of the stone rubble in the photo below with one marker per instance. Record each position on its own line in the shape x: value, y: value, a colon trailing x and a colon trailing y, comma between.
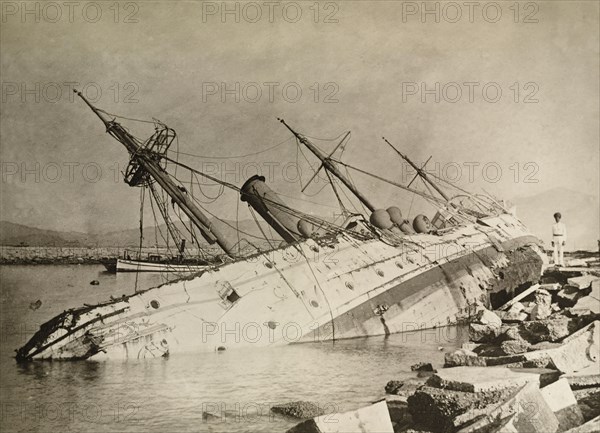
x: 533, y: 365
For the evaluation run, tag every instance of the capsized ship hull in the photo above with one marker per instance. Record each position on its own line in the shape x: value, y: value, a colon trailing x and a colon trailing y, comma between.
x: 322, y: 289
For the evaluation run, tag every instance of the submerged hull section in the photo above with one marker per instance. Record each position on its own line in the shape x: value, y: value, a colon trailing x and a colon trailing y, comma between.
x: 313, y: 290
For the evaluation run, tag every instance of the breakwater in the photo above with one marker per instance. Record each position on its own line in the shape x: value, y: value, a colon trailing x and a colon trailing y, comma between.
x: 12, y: 255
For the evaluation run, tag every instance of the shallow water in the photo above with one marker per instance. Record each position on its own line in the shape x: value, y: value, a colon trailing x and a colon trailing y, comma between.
x: 236, y: 387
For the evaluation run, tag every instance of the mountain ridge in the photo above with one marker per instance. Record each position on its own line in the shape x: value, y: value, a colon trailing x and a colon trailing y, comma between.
x: 580, y: 212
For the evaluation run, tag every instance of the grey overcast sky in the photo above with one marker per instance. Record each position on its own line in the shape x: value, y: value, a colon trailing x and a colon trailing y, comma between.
x: 361, y: 67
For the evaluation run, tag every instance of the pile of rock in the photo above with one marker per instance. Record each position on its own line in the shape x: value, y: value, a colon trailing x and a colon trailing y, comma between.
x: 554, y: 389
x: 539, y: 318
x: 533, y: 365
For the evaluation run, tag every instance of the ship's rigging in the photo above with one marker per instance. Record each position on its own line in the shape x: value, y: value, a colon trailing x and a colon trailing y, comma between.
x: 150, y: 159
x: 384, y: 274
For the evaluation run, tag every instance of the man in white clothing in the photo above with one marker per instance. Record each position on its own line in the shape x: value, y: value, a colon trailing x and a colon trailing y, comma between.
x: 559, y: 239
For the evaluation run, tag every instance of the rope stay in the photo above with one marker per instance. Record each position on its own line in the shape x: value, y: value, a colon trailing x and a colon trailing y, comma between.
x: 168, y: 157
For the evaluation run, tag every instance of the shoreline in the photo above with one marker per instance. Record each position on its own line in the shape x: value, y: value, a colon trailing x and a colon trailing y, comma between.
x: 21, y: 255
x: 11, y: 255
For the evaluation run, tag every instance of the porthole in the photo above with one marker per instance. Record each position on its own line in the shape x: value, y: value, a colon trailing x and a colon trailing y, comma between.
x: 399, y: 265
x: 379, y: 272
x: 155, y: 304
x: 269, y: 265
x: 314, y: 303
x: 349, y: 285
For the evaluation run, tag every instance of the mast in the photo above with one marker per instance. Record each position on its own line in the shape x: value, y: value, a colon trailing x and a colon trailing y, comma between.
x: 420, y: 172
x: 149, y: 162
x: 330, y: 166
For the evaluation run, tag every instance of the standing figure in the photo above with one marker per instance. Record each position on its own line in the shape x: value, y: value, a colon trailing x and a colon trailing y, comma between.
x: 559, y: 240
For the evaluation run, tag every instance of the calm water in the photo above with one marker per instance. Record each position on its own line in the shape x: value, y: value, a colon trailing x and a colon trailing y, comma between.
x: 237, y: 387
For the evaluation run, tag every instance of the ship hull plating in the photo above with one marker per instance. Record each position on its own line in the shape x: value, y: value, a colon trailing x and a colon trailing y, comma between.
x: 314, y: 290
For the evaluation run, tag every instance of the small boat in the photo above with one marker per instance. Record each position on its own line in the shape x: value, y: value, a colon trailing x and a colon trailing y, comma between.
x: 154, y: 263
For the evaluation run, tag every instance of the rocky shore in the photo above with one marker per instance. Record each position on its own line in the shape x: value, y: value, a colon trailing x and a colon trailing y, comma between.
x: 532, y: 365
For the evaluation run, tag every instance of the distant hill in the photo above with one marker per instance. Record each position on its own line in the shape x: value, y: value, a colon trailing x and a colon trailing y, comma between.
x: 12, y: 234
x: 152, y: 235
x: 580, y: 213
x: 18, y: 234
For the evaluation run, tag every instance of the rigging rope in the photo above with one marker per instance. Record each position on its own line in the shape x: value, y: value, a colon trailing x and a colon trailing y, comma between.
x: 235, y: 156
x: 259, y: 227
x: 390, y: 182
x: 128, y: 118
x: 142, y: 198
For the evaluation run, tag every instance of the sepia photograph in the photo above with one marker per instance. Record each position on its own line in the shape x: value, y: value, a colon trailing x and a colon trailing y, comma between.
x: 309, y: 216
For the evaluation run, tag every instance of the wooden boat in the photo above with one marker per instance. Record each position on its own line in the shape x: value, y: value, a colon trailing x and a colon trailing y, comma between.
x: 154, y: 263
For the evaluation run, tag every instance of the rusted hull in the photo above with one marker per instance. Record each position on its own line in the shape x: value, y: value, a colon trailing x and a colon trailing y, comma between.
x: 314, y: 290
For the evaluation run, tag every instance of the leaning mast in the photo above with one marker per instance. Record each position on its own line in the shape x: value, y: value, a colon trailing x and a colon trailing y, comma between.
x: 420, y: 171
x: 328, y: 164
x: 146, y: 161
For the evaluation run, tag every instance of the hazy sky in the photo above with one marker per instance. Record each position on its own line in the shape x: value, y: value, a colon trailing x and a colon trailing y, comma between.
x: 370, y: 66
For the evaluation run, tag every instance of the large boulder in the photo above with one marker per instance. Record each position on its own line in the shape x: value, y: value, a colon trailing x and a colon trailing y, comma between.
x: 483, y: 333
x: 406, y: 387
x: 550, y: 329
x: 576, y: 352
x: 543, y: 305
x: 462, y: 357
x: 562, y: 402
x: 373, y: 418
x: 485, y: 380
x: 582, y: 282
x: 589, y: 304
x: 487, y: 317
x: 588, y: 402
x: 523, y: 411
x: 398, y: 409
x: 422, y: 366
x: 435, y: 409
x: 539, y: 312
x: 551, y: 287
x: 589, y: 427
x: 567, y: 297
x: 298, y: 409
x: 514, y: 347
x: 515, y: 313
x: 579, y: 350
